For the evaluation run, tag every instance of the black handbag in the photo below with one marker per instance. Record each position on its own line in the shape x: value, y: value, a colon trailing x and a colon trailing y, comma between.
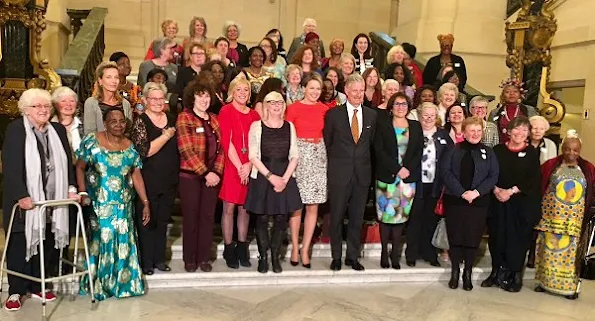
x: 588, y: 264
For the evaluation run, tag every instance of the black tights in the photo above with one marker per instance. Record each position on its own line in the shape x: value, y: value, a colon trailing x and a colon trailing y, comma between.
x: 392, y: 232
x: 279, y: 224
x: 460, y: 254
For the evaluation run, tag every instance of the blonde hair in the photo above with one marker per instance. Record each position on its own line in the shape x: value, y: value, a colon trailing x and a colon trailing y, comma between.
x: 541, y: 119
x: 191, y: 30
x: 448, y: 87
x: 273, y: 95
x: 232, y: 87
x: 345, y: 56
x: 470, y: 121
x: 392, y: 52
x: 27, y: 97
x: 99, y: 72
x: 152, y: 86
x: 290, y: 68
x: 230, y: 23
x: 309, y: 21
x: 166, y: 24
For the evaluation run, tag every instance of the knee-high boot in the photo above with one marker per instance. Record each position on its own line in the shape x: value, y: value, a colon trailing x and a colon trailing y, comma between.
x: 276, y: 240
x: 263, y: 242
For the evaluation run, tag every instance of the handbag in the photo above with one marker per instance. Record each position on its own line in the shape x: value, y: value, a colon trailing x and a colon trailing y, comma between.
x: 371, y: 233
x: 588, y: 264
x: 440, y: 238
x: 439, y: 208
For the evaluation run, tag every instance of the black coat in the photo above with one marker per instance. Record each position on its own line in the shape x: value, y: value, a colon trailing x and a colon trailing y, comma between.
x: 347, y: 159
x: 243, y: 52
x: 387, y: 154
x: 443, y: 142
x: 13, y: 163
x: 433, y: 68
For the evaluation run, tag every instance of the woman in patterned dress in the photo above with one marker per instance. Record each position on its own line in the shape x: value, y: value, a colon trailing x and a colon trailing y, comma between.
x: 563, y: 234
x: 398, y: 146
x: 114, y: 170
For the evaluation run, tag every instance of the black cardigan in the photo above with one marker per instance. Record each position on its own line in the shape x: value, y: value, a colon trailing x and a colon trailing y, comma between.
x: 433, y: 68
x: 386, y: 150
x: 13, y: 163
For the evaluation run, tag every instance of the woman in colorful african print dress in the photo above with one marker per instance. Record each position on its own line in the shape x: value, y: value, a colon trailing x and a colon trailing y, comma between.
x: 563, y: 236
x: 398, y: 146
x: 113, y: 171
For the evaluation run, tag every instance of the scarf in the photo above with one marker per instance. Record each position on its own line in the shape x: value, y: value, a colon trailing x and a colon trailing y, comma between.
x: 35, y: 221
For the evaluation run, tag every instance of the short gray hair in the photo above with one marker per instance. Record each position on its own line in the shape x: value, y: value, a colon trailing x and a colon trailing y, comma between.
x: 60, y: 92
x: 160, y: 44
x: 228, y: 24
x: 29, y: 95
x: 152, y: 86
x: 309, y: 21
x: 354, y: 78
x: 390, y: 82
x: 478, y: 99
x: 542, y: 119
x: 448, y: 87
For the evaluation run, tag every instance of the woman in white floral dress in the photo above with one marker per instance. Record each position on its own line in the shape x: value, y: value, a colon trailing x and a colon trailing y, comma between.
x: 113, y: 170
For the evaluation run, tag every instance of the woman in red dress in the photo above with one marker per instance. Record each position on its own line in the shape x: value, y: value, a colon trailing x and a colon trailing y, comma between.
x: 235, y: 119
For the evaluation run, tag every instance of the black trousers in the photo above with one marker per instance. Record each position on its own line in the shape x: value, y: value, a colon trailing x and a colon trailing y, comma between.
x: 15, y: 261
x: 510, y: 235
x: 152, y: 238
x: 351, y: 197
x: 421, y: 226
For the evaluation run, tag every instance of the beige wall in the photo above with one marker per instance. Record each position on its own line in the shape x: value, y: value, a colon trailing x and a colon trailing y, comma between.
x: 478, y: 31
x: 132, y: 24
x: 55, y: 38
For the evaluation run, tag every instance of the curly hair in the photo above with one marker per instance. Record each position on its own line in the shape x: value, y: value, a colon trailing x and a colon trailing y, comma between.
x: 390, y: 71
x: 299, y: 55
x: 195, y: 87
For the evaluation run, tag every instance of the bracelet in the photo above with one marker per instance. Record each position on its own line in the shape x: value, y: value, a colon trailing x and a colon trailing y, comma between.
x: 268, y: 175
x: 83, y: 194
x: 145, y: 201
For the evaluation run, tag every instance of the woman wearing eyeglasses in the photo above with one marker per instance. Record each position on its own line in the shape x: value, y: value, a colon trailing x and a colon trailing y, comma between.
x: 272, y: 189
x: 398, y: 146
x: 478, y: 107
x: 198, y: 58
x: 153, y: 135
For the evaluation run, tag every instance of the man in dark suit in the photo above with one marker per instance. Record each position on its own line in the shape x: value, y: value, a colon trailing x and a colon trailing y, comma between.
x: 348, y: 134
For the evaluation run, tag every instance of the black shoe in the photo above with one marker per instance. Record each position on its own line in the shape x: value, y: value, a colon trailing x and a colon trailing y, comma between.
x: 230, y: 257
x: 148, y: 271
x: 410, y: 263
x: 572, y: 297
x: 294, y: 263
x: 492, y: 279
x: 263, y: 264
x: 162, y: 267
x: 396, y: 265
x: 467, y: 284
x: 530, y: 265
x: 354, y: 264
x: 384, y: 260
x: 538, y: 288
x: 504, y: 277
x: 242, y: 254
x: 434, y: 263
x: 454, y: 277
x: 336, y: 265
x: 516, y: 283
x: 307, y: 266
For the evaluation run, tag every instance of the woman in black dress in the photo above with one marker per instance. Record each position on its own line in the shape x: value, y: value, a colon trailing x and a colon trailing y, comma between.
x: 153, y: 135
x: 272, y: 190
x: 470, y: 172
x: 516, y: 209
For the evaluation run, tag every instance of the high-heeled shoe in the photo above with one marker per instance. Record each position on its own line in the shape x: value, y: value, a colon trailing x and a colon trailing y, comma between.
x: 307, y: 266
x: 295, y: 263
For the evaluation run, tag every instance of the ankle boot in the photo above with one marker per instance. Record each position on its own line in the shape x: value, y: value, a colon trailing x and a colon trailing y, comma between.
x: 467, y: 284
x: 229, y: 254
x: 276, y: 240
x: 516, y: 282
x: 492, y: 279
x: 455, y: 273
x: 243, y: 254
x: 263, y: 242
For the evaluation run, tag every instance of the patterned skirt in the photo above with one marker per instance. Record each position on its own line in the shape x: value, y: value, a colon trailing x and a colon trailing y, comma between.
x: 555, y: 258
x: 394, y: 201
x: 311, y: 171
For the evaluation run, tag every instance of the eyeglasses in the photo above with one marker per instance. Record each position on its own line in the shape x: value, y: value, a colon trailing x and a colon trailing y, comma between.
x: 401, y: 104
x: 48, y: 107
x: 275, y: 102
x: 198, y: 53
x: 479, y: 107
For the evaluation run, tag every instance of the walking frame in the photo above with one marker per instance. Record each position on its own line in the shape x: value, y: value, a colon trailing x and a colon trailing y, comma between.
x: 43, y: 280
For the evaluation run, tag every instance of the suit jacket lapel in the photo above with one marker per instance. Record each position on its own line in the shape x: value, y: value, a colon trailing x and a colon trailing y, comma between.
x: 345, y: 122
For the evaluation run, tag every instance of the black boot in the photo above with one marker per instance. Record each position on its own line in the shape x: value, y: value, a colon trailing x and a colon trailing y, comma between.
x: 243, y: 254
x: 516, y: 282
x: 504, y: 277
x: 384, y: 258
x: 492, y: 279
x: 455, y: 273
x: 229, y: 254
x: 276, y: 240
x: 467, y: 285
x: 263, y: 242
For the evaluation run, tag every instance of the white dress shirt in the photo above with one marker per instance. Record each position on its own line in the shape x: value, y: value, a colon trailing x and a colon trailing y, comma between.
x: 350, y: 111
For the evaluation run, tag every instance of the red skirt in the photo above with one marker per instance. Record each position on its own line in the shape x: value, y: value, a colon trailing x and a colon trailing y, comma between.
x: 232, y: 190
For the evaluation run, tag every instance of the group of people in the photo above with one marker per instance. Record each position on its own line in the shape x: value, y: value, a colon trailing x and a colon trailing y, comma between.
x: 279, y: 144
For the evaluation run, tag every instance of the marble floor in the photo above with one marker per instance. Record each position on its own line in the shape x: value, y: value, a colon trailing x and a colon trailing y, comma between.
x: 397, y: 301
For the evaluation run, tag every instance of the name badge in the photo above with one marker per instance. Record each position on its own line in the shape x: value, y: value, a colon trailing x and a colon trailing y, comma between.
x: 95, y: 150
x: 484, y: 156
x: 200, y: 130
x: 522, y: 154
x: 483, y: 151
x: 457, y: 65
x: 369, y: 126
x: 443, y: 142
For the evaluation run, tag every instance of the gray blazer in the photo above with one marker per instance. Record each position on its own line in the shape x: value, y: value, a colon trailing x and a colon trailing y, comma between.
x: 93, y: 117
x: 297, y: 43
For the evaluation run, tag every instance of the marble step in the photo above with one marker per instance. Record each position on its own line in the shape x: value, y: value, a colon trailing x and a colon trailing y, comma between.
x: 221, y: 276
x: 319, y: 250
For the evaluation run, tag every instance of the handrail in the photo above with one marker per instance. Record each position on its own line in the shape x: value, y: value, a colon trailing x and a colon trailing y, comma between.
x: 85, y: 52
x: 381, y: 44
